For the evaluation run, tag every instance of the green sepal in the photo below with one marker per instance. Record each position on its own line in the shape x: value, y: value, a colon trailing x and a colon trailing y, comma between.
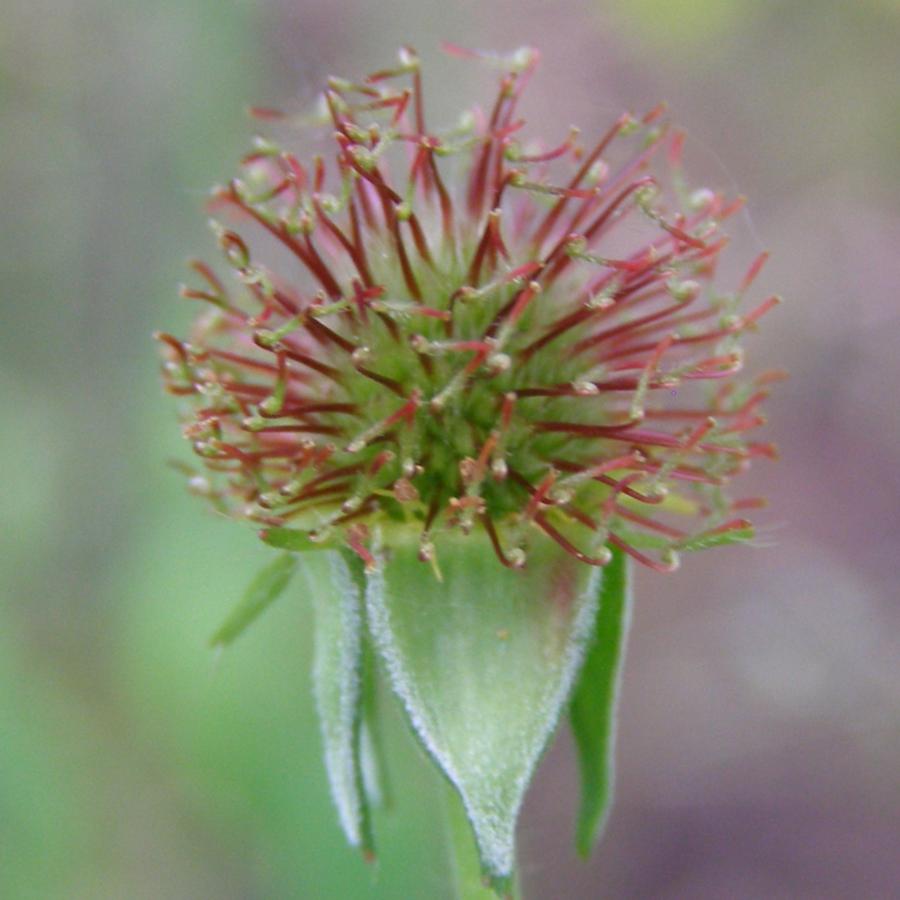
x: 469, y: 878
x: 592, y: 710
x: 483, y: 662
x: 261, y: 593
x: 335, y: 582
x: 372, y: 756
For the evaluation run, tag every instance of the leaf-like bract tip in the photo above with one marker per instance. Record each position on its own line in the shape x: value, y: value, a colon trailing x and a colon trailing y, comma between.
x: 261, y: 593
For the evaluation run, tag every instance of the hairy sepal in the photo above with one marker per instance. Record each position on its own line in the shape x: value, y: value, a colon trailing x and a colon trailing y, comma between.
x: 483, y: 661
x: 335, y: 582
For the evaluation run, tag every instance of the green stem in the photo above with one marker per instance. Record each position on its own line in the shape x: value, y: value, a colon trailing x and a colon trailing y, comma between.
x: 467, y: 875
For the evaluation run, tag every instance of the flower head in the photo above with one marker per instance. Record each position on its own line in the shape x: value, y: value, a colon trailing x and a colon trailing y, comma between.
x: 471, y: 329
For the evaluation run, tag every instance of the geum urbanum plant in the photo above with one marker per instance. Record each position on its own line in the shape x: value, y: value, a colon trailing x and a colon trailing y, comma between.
x: 477, y: 374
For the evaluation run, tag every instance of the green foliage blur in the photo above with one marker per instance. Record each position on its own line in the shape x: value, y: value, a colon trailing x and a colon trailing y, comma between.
x: 134, y: 761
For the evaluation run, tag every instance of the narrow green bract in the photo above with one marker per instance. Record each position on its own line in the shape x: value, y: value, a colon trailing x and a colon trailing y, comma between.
x: 260, y: 594
x: 593, y: 707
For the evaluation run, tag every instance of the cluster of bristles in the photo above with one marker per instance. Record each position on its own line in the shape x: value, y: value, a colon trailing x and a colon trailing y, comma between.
x: 525, y: 344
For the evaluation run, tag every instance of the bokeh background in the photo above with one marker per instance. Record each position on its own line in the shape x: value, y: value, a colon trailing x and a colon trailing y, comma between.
x: 759, y: 751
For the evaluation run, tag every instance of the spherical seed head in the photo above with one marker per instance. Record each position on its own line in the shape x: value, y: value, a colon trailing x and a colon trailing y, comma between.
x: 472, y: 329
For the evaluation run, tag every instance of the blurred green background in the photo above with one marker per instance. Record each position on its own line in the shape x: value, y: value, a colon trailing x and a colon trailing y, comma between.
x: 759, y: 736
